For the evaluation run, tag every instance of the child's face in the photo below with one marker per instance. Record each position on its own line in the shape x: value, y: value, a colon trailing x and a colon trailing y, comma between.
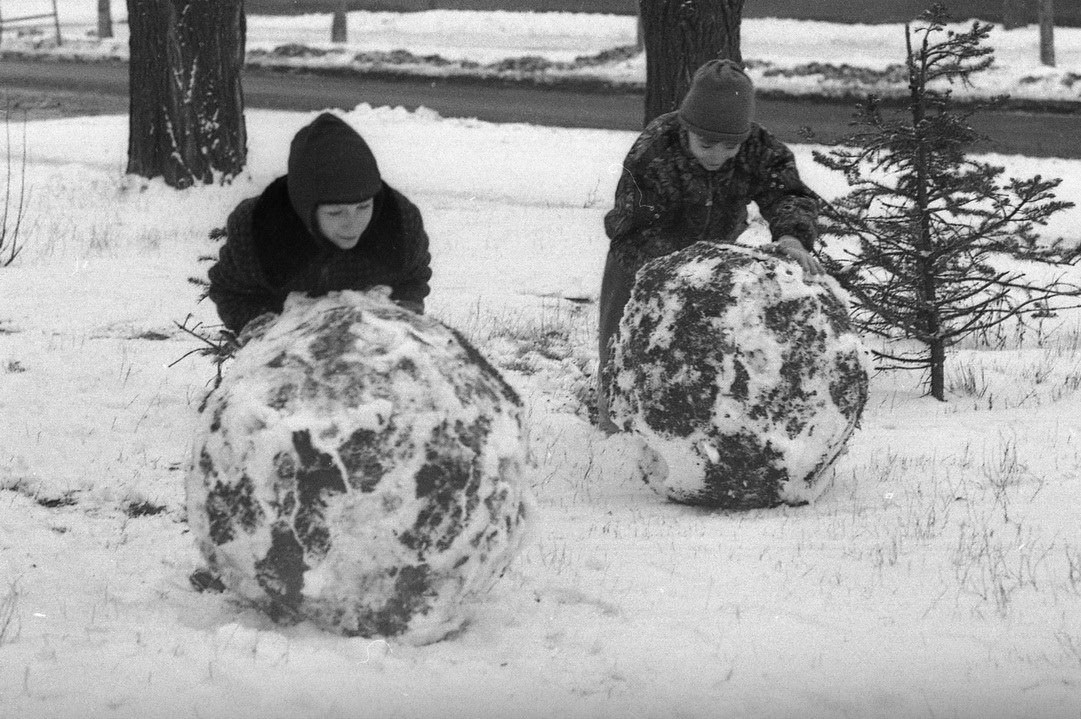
x: 344, y: 224
x: 710, y: 154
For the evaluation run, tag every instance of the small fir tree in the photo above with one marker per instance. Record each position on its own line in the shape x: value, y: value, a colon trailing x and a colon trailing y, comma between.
x: 940, y: 239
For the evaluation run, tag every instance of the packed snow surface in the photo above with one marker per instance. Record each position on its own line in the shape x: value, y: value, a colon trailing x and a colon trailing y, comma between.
x: 938, y: 574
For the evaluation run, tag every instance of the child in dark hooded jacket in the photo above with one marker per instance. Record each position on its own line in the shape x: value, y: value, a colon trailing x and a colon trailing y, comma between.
x: 331, y: 223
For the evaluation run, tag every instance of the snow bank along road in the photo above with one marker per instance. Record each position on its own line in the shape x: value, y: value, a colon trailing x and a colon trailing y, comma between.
x: 88, y: 88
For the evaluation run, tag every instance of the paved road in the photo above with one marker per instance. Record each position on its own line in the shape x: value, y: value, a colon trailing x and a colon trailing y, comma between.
x: 93, y: 88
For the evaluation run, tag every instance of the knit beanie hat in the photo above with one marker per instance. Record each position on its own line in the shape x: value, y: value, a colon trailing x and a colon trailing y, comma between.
x: 719, y: 105
x: 329, y: 163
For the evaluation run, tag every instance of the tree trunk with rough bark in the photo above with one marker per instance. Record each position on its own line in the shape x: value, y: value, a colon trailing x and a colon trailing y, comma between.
x: 187, y: 107
x: 679, y: 36
x: 105, y: 19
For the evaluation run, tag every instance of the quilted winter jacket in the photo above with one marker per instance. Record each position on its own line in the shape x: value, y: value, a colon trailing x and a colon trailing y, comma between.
x: 269, y: 253
x: 666, y: 200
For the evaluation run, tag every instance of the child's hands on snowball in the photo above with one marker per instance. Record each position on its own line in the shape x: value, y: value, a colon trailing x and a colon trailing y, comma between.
x: 794, y: 250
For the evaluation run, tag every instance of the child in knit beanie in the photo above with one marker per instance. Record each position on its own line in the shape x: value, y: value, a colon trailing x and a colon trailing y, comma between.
x: 330, y: 223
x: 719, y: 105
x: 688, y: 178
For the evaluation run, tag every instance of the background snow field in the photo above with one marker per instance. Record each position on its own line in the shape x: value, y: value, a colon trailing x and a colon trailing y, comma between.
x: 790, y: 56
x: 939, y: 574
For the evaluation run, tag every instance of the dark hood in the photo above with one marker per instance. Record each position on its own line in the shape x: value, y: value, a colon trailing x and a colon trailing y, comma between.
x: 329, y: 163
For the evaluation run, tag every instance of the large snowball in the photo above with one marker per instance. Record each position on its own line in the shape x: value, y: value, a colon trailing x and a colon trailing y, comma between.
x: 360, y: 466
x: 744, y: 380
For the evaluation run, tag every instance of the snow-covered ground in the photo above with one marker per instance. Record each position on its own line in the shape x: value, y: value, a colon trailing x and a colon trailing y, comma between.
x: 789, y: 56
x: 938, y: 576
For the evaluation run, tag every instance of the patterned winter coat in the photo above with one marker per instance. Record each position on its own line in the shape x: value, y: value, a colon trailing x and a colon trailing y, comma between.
x: 269, y: 253
x: 666, y: 200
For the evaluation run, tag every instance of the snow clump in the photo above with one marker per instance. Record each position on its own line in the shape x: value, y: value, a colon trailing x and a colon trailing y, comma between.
x: 743, y: 379
x: 360, y: 466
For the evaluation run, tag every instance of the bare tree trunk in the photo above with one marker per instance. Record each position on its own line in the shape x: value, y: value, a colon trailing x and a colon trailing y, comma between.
x: 1046, y: 16
x: 1014, y: 14
x: 187, y: 105
x: 639, y: 39
x: 56, y: 25
x: 104, y: 20
x: 338, y: 30
x: 681, y: 35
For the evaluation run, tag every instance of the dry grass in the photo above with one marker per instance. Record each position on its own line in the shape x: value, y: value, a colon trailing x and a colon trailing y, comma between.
x: 10, y: 624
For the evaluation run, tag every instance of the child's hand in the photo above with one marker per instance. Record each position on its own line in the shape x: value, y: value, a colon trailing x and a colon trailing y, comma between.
x: 413, y: 306
x: 793, y: 249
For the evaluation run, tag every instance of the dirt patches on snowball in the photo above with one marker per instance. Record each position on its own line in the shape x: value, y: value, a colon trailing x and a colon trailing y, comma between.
x: 361, y: 467
x: 745, y: 379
